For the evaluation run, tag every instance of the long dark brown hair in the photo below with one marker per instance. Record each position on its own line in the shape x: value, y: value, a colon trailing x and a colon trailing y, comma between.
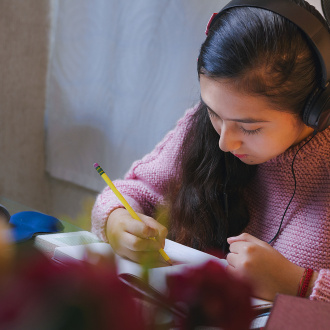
x: 259, y: 53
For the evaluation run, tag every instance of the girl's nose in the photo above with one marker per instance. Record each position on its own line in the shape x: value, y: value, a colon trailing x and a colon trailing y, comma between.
x: 228, y: 140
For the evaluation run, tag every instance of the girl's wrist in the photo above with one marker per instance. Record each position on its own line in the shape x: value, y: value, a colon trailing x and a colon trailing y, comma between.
x: 297, y: 279
x: 297, y: 274
x: 289, y: 280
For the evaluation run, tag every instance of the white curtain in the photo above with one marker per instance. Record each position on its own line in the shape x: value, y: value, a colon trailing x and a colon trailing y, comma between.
x: 121, y: 73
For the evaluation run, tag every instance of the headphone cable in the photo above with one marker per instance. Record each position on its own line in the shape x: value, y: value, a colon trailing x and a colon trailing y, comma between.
x: 295, y: 186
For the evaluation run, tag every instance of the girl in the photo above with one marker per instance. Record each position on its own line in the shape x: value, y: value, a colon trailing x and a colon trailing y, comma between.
x: 241, y: 171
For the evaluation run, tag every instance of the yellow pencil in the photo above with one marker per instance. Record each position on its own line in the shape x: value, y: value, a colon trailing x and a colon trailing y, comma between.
x: 126, y: 205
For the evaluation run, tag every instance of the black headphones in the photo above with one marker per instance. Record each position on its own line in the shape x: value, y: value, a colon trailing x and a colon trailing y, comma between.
x: 316, y: 112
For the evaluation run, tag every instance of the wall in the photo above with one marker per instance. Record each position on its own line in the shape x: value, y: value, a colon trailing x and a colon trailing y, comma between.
x: 23, y: 64
x: 24, y: 29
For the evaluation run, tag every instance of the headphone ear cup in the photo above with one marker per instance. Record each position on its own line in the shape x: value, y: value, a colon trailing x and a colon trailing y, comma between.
x: 326, y: 10
x: 316, y: 113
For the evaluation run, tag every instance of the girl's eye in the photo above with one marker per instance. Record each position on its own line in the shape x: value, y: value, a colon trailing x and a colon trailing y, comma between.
x: 211, y: 113
x: 250, y: 132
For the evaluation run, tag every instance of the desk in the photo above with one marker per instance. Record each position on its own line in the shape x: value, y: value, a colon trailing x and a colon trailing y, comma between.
x: 165, y: 319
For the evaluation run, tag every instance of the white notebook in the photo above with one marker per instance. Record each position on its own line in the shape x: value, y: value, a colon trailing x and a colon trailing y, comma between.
x: 181, y: 256
x: 48, y: 242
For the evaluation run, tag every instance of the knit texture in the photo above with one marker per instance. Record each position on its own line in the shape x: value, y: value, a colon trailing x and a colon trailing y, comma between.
x: 304, y: 238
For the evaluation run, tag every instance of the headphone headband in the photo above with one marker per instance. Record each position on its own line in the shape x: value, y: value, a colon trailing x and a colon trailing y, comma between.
x: 316, y: 112
x: 311, y: 26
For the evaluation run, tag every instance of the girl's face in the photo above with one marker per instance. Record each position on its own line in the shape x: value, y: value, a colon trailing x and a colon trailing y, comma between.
x: 248, y: 126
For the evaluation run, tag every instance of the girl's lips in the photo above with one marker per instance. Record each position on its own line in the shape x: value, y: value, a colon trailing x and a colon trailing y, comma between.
x: 240, y: 155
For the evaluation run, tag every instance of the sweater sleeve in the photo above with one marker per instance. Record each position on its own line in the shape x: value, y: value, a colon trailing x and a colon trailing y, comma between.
x: 146, y: 182
x: 321, y: 290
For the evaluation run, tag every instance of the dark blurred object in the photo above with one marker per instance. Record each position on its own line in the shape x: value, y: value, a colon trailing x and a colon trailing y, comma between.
x: 146, y: 292
x: 4, y: 212
x: 292, y: 313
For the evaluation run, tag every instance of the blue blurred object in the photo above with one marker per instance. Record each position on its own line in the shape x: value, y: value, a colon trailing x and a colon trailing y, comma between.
x: 28, y: 223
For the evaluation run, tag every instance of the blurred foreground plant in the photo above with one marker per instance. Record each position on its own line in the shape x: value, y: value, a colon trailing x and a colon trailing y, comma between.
x: 39, y: 294
x: 211, y: 297
x: 36, y: 293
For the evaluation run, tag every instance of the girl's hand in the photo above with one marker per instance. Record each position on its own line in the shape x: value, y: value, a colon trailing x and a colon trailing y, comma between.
x: 268, y: 271
x: 129, y: 237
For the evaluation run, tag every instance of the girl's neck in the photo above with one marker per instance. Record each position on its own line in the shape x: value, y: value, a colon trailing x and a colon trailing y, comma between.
x: 305, y: 132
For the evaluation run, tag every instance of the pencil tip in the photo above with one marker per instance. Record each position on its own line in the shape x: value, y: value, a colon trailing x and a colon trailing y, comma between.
x: 169, y: 262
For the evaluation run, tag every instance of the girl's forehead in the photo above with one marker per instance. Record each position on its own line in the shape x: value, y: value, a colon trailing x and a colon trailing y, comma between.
x: 217, y: 93
x: 228, y: 103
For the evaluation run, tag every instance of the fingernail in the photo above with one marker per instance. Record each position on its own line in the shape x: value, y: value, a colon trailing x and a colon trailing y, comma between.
x: 151, y: 232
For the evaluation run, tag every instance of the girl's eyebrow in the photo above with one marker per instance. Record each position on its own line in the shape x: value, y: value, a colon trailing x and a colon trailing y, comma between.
x: 246, y: 120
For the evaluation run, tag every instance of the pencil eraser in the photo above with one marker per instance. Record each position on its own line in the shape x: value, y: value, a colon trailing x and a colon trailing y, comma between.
x: 96, y: 165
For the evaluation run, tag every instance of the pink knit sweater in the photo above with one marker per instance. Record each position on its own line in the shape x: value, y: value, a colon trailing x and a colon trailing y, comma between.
x: 304, y: 238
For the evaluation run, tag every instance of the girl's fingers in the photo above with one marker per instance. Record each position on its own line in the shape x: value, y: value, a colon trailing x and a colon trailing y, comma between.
x: 135, y: 239
x: 141, y: 256
x: 139, y: 229
x: 146, y: 228
x: 231, y: 270
x: 237, y: 247
x: 161, y: 231
x: 245, y: 237
x: 135, y: 243
x: 242, y: 237
x: 231, y: 259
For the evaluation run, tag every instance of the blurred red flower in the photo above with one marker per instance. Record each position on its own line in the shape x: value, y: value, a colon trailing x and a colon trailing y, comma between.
x: 36, y: 293
x: 40, y: 294
x: 211, y: 297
